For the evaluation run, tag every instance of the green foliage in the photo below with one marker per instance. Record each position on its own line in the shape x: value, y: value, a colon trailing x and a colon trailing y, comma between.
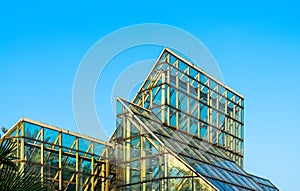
x: 4, y: 130
x: 27, y: 179
x: 13, y: 179
x: 7, y: 148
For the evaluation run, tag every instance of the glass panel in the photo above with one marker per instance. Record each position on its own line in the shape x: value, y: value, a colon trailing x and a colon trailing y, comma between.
x: 32, y: 153
x: 203, y: 112
x: 172, y: 97
x: 194, y: 108
x: 14, y: 133
x: 221, y: 90
x: 213, y: 85
x: 50, y: 172
x: 86, y: 166
x: 51, y: 158
x: 221, y: 139
x: 50, y: 135
x: 214, y: 135
x: 67, y: 175
x: 172, y: 59
x: 98, y: 148
x: 182, y: 102
x: 173, y: 117
x: 84, y: 144
x: 222, y: 103
x: 214, y: 99
x: 203, y: 93
x: 238, y: 113
x: 182, y: 66
x: 203, y: 131
x: 32, y: 131
x: 194, y: 127
x: 221, y: 121
x: 194, y: 89
x: 229, y: 95
x: 203, y: 79
x: 156, y: 96
x: 182, y: 83
x: 69, y: 162
x: 67, y: 140
x: 214, y: 117
x: 183, y: 122
x: 193, y: 72
x: 230, y: 108
x: 135, y: 172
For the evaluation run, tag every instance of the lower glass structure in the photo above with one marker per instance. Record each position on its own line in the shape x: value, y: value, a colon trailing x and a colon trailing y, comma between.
x: 70, y: 160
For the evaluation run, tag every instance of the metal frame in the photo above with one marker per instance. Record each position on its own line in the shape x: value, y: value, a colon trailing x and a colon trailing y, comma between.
x: 70, y: 160
x: 180, y: 93
x: 150, y: 167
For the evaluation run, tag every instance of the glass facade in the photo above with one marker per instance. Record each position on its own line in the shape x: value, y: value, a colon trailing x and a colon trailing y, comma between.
x: 191, y: 101
x: 70, y: 160
x: 184, y: 130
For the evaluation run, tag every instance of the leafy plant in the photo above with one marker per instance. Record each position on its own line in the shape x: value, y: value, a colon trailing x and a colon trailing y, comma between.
x: 14, y: 179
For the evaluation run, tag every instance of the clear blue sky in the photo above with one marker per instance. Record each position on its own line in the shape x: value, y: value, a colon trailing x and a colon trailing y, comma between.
x: 256, y: 44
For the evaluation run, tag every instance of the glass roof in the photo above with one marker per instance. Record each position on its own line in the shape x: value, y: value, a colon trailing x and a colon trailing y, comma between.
x: 264, y: 183
x: 204, y: 158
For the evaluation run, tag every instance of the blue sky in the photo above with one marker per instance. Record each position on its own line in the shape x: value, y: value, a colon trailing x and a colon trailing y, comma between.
x: 256, y: 45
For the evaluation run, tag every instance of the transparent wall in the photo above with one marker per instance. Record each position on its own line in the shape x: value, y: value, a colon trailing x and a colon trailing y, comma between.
x: 188, y: 99
x: 70, y: 161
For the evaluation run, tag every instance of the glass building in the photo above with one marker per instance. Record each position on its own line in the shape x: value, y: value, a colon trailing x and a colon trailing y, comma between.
x: 70, y: 160
x: 184, y: 130
x: 191, y: 101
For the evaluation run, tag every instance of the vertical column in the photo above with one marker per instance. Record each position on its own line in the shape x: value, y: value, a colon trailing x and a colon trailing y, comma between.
x: 198, y: 102
x: 60, y: 184
x: 92, y: 181
x: 78, y: 185
x: 150, y: 90
x: 161, y: 168
x: 166, y: 171
x: 126, y: 151
x: 209, y: 115
x: 142, y: 161
x: 188, y: 105
x: 177, y: 100
x: 107, y: 171
x: 22, y: 157
x: 102, y: 173
x: 163, y: 100
x: 42, y: 153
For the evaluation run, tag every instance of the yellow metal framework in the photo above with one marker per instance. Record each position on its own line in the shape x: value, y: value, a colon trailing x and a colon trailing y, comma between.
x: 70, y: 160
x: 144, y: 163
x: 187, y: 98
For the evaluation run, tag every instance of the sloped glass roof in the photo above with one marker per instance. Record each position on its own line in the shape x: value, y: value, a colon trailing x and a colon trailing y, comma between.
x: 204, y: 158
x: 264, y: 183
x: 163, y: 168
